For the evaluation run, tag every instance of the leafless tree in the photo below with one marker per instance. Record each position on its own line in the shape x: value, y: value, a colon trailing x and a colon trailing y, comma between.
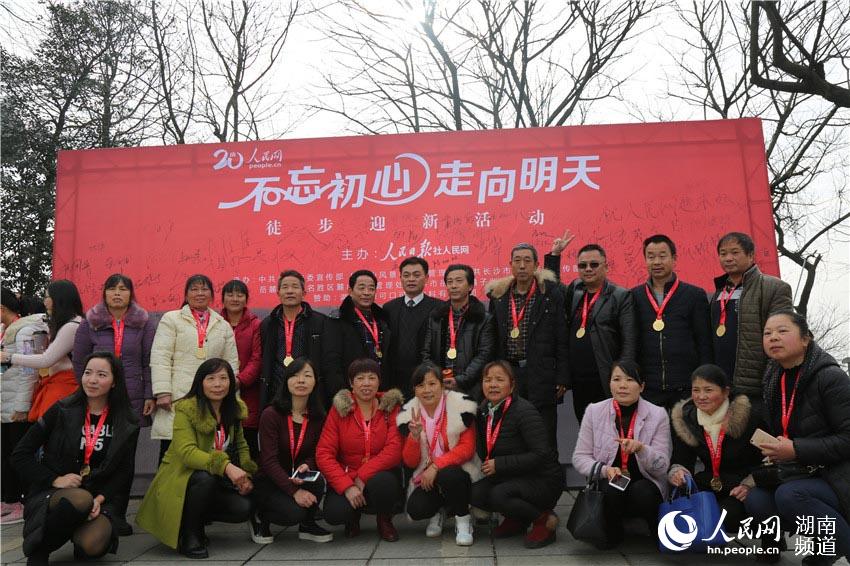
x: 417, y: 65
x: 806, y: 153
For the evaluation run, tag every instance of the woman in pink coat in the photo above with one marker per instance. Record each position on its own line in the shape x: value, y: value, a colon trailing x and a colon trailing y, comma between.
x: 630, y: 437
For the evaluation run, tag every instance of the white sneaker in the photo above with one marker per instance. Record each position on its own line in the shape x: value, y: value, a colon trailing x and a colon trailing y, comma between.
x: 463, y: 530
x: 435, y: 525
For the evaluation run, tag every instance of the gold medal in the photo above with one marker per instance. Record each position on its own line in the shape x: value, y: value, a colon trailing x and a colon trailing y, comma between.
x: 658, y: 325
x: 721, y: 330
x: 580, y: 332
x: 716, y: 484
x: 287, y: 360
x: 201, y: 353
x: 85, y: 471
x: 43, y: 372
x: 625, y: 473
x: 379, y: 354
x: 514, y: 332
x: 451, y: 353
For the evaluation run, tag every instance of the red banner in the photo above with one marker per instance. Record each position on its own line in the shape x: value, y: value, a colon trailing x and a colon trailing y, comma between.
x: 327, y: 207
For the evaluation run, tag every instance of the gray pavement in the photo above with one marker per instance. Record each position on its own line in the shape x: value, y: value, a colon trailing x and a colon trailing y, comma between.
x: 231, y: 545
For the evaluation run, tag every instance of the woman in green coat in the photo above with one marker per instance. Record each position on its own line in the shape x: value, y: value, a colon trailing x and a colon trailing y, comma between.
x: 204, y: 476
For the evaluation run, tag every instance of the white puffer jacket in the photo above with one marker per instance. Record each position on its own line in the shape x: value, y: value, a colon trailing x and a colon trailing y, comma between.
x: 17, y: 383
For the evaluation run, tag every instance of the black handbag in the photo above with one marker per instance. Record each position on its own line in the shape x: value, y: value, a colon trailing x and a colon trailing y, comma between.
x: 587, y: 518
x: 774, y: 474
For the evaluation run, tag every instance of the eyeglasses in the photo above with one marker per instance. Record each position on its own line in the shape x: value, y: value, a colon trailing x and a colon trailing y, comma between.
x: 591, y: 264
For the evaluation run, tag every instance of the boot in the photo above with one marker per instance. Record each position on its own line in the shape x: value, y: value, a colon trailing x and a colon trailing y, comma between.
x: 352, y: 528
x: 542, y: 530
x: 386, y: 530
x: 192, y: 542
x: 463, y: 530
x: 508, y: 528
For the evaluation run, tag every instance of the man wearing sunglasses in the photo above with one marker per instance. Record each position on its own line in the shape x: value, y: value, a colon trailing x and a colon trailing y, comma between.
x: 601, y: 325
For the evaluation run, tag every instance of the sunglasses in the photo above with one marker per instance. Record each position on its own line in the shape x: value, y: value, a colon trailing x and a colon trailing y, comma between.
x: 591, y: 265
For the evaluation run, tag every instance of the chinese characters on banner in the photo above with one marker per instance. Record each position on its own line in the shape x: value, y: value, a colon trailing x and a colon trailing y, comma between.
x: 330, y: 206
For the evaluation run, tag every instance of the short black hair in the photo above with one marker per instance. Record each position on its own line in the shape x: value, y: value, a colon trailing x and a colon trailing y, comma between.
x: 31, y: 305
x: 234, y: 286
x: 290, y: 273
x: 363, y: 365
x: 414, y: 260
x: 113, y: 281
x: 524, y: 246
x: 629, y: 368
x: 592, y: 248
x: 660, y: 239
x: 361, y: 273
x: 745, y: 240
x: 797, y: 320
x: 422, y: 371
x: 197, y: 278
x: 470, y: 273
x: 10, y: 300
x: 713, y: 374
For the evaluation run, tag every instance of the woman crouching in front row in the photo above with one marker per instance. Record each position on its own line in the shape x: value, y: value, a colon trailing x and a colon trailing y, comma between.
x: 204, y: 474
x: 439, y: 426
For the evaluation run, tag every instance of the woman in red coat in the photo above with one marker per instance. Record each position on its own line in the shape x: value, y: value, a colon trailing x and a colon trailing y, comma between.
x: 246, y: 330
x: 359, y: 452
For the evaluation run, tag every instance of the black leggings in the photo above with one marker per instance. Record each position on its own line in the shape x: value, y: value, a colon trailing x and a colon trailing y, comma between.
x: 383, y: 491
x: 67, y: 519
x: 641, y: 499
x: 209, y: 499
x: 451, y: 491
x: 280, y: 508
x: 522, y: 499
x: 10, y: 434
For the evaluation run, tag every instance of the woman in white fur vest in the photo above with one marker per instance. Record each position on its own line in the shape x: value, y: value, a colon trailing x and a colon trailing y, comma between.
x: 439, y: 445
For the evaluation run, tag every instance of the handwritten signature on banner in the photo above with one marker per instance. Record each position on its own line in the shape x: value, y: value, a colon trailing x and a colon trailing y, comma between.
x: 393, y: 184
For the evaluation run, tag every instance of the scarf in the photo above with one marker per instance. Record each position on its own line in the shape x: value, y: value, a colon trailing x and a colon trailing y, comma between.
x: 712, y: 423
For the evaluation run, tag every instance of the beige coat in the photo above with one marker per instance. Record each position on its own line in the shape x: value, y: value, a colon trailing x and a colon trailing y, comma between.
x: 173, y: 359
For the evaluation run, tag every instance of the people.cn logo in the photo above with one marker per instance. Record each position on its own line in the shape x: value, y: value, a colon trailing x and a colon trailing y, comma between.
x: 671, y: 537
x: 229, y: 159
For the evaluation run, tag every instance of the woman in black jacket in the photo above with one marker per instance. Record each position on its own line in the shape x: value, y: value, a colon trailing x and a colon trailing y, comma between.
x: 460, y: 335
x: 807, y: 407
x: 711, y: 416
x: 75, y: 485
x: 523, y: 481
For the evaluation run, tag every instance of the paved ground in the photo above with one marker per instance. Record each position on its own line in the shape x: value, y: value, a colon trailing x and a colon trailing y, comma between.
x: 231, y: 545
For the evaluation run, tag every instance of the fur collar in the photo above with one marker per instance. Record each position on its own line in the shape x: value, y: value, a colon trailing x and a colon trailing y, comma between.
x: 346, y: 312
x: 203, y: 421
x: 457, y: 404
x: 99, y: 318
x: 497, y: 288
x: 684, y: 419
x: 474, y: 314
x: 387, y: 401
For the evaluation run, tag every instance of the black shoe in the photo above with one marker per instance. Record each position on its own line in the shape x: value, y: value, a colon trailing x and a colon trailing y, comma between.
x: 260, y: 531
x: 310, y: 530
x: 771, y: 550
x: 38, y: 559
x: 193, y: 546
x: 819, y: 560
x: 122, y: 527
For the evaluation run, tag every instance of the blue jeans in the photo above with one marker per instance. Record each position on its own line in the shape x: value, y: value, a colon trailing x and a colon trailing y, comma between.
x: 810, y: 497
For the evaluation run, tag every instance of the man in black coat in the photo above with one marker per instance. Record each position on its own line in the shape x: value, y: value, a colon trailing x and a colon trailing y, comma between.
x: 362, y: 326
x: 460, y: 334
x: 407, y: 317
x: 674, y: 336
x: 293, y: 330
x: 531, y: 333
x: 600, y: 326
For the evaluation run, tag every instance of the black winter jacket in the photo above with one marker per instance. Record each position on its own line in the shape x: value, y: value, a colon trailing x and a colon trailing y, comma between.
x: 820, y: 421
x: 522, y: 447
x: 668, y: 358
x: 351, y: 343
x: 319, y: 343
x: 399, y: 365
x: 738, y: 458
x: 547, y: 348
x: 59, y: 431
x: 476, y: 342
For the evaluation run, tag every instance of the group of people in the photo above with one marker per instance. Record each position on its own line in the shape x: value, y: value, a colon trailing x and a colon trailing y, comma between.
x: 438, y: 408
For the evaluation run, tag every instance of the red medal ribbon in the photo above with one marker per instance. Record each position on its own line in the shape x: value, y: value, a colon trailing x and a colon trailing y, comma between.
x: 452, y: 331
x: 289, y: 332
x: 372, y: 328
x: 91, y: 438
x: 724, y: 298
x: 786, y: 410
x: 660, y: 310
x: 624, y: 458
x: 438, y: 428
x: 202, y: 327
x: 586, y: 309
x: 715, y: 453
x: 295, y: 448
x: 518, y: 318
x: 219, y: 438
x: 367, y: 429
x: 492, y: 435
x: 118, y: 329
